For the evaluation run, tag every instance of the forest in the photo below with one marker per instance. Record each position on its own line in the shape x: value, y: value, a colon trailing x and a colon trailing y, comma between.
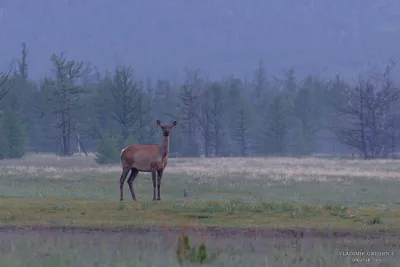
x: 234, y: 116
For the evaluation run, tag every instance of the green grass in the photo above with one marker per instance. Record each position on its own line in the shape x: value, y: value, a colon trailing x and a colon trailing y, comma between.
x: 232, y: 214
x: 100, y: 186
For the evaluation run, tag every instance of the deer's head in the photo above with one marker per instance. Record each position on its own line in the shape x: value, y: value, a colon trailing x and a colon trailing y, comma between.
x: 166, y: 128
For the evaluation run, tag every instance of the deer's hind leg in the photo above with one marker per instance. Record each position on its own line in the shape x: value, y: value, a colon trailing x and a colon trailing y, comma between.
x: 132, y: 177
x: 125, y: 172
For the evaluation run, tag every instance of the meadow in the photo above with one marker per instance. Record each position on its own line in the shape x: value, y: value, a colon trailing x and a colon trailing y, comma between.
x: 57, y: 211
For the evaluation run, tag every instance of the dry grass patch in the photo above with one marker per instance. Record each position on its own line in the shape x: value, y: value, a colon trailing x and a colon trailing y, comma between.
x: 275, y: 169
x: 281, y: 169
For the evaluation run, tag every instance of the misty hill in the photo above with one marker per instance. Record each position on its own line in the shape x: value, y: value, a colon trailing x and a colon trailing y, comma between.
x: 161, y: 38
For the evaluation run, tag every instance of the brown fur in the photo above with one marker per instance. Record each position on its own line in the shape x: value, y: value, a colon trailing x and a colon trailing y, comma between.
x: 146, y: 158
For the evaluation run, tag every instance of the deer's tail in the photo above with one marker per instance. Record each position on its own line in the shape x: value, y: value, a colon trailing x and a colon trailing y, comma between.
x: 123, y: 160
x: 122, y: 152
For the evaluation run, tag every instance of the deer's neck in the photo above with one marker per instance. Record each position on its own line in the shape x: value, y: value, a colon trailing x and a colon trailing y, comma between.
x: 164, y: 146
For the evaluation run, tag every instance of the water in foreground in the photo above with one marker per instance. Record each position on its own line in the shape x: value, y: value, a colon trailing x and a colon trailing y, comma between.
x: 61, y: 247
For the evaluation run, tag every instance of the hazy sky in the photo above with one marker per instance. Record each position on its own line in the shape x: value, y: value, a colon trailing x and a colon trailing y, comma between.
x: 162, y: 37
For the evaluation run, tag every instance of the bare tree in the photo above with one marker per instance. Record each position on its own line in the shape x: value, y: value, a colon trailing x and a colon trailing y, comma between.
x: 188, y: 104
x: 216, y: 117
x: 366, y: 121
x: 307, y: 108
x: 204, y: 119
x: 65, y: 97
x: 121, y: 98
x: 276, y: 126
x: 22, y: 63
x: 146, y: 134
x: 210, y: 118
x: 6, y: 84
x: 260, y: 84
x: 240, y: 127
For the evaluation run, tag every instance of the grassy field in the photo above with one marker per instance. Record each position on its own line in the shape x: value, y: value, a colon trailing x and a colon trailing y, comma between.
x: 235, y: 193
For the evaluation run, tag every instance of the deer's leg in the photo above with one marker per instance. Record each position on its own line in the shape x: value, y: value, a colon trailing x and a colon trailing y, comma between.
x: 159, y: 176
x: 132, y: 177
x: 153, y: 176
x: 125, y: 172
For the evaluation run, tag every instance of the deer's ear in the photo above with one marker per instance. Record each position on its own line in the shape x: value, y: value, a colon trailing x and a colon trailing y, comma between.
x: 174, y: 123
x: 158, y: 123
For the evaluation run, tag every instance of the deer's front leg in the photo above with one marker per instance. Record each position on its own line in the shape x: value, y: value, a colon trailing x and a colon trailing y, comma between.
x: 159, y: 176
x: 153, y: 176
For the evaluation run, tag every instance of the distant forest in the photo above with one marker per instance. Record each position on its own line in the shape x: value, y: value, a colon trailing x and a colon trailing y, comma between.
x: 259, y: 116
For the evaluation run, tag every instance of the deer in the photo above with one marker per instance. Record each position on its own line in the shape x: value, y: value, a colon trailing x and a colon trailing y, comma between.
x: 146, y: 158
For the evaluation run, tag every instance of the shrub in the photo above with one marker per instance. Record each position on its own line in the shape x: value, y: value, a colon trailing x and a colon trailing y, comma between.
x: 190, y: 254
x: 108, y: 151
x: 376, y: 219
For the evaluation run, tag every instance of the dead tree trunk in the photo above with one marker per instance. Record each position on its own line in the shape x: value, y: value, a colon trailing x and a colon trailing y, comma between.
x: 80, y: 145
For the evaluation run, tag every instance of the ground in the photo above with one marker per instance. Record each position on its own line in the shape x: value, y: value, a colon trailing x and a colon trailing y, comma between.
x: 248, y: 211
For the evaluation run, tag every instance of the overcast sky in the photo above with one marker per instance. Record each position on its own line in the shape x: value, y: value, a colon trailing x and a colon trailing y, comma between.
x: 160, y: 38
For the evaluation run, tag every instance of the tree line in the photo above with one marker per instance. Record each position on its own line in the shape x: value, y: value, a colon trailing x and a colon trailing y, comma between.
x: 78, y: 107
